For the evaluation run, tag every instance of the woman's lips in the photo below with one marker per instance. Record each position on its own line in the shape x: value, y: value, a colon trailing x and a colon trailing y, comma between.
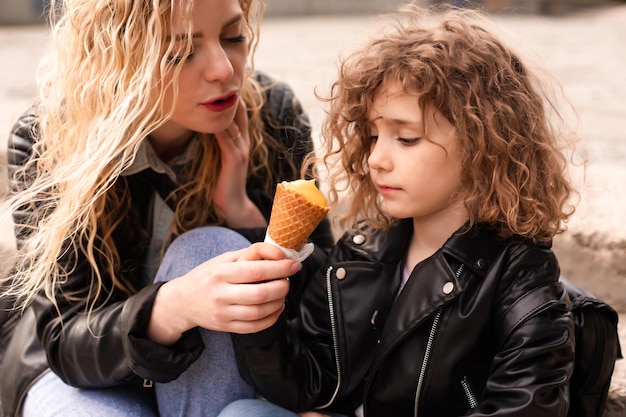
x: 221, y: 103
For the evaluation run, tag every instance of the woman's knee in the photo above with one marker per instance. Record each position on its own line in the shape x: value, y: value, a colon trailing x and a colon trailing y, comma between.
x: 197, y: 246
x: 209, y: 239
x: 51, y: 397
x: 255, y: 408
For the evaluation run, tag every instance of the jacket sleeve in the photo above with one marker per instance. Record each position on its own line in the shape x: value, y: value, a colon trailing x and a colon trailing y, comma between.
x: 287, y: 123
x: 278, y: 362
x: 107, y: 347
x: 19, y: 150
x: 534, y: 340
x: 292, y: 363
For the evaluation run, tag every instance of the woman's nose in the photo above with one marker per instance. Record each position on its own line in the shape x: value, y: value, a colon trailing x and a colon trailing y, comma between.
x: 218, y: 66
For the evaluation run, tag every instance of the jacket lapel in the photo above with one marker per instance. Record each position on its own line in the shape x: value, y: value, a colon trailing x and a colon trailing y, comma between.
x: 431, y: 285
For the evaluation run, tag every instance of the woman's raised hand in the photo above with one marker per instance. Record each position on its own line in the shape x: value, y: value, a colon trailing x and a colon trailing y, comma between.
x: 237, y: 292
x: 230, y: 194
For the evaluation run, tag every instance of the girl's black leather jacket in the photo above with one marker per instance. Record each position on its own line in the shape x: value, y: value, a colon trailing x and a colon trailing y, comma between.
x: 122, y: 354
x: 447, y: 345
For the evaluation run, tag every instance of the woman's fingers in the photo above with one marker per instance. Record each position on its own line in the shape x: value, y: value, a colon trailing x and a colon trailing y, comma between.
x: 247, y: 327
x: 230, y: 195
x: 254, y: 318
x: 231, y: 138
x: 260, y: 262
x: 257, y: 271
x: 261, y: 250
x: 241, y: 291
x: 246, y: 307
x: 236, y: 136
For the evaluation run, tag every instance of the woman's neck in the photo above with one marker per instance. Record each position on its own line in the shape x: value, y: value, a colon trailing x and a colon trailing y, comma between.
x: 168, y: 144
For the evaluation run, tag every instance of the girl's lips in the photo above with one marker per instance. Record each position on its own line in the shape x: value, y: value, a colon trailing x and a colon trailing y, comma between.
x: 386, y: 190
x: 221, y: 103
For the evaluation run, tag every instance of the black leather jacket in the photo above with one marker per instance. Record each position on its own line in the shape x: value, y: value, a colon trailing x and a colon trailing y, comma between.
x: 447, y: 345
x: 122, y: 354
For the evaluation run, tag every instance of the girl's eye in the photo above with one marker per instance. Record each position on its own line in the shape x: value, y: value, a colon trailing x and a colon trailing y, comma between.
x: 372, y: 138
x: 408, y: 141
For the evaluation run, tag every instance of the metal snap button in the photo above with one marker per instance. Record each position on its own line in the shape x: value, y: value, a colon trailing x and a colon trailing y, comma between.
x: 448, y: 287
x: 341, y: 273
x: 482, y: 263
x: 358, y: 239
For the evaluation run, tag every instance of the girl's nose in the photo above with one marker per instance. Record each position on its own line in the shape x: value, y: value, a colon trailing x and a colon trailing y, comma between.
x: 218, y: 66
x: 379, y: 156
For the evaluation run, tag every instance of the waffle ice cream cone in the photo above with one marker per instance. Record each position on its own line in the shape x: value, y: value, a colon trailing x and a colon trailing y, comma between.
x: 298, y: 209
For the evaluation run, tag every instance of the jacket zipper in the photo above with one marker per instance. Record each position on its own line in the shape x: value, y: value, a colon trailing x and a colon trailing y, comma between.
x: 333, y: 327
x: 429, y: 346
x: 471, y: 398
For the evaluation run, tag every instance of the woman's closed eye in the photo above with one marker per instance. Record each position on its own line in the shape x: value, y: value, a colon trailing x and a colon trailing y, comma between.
x: 177, y: 58
x: 241, y: 38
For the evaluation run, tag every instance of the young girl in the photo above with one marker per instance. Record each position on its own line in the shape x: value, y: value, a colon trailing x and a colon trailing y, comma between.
x: 151, y: 125
x: 457, y: 185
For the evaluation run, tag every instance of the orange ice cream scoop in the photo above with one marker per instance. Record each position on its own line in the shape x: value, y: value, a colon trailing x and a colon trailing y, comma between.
x: 298, y: 209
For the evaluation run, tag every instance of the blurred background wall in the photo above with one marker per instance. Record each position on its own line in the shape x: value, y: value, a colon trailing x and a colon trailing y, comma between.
x: 304, y: 7
x: 15, y: 12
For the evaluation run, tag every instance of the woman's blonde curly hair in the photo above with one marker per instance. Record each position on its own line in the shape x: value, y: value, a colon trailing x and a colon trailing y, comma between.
x: 101, y: 96
x: 515, y: 170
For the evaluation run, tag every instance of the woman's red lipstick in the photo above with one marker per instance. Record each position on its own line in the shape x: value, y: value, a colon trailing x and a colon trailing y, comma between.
x: 221, y: 103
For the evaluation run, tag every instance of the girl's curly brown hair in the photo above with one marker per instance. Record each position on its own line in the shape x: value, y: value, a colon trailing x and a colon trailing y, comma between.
x: 514, y: 165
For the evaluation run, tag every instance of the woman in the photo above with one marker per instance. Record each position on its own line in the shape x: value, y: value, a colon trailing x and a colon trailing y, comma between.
x: 151, y: 124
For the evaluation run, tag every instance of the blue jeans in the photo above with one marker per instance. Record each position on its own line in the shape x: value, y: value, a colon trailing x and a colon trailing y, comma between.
x: 208, y: 385
x: 51, y: 397
x: 260, y: 408
x: 213, y: 380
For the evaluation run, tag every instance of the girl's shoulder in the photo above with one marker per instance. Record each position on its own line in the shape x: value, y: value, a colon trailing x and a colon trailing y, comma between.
x: 481, y: 246
x: 513, y: 265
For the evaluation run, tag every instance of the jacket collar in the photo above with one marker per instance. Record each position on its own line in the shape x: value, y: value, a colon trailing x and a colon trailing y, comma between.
x: 474, y: 248
x: 435, y: 281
